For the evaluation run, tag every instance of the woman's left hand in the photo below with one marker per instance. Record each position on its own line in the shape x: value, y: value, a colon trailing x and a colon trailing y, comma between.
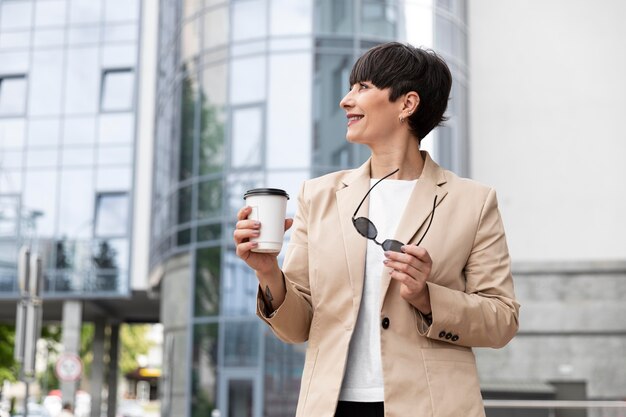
x: 412, y: 269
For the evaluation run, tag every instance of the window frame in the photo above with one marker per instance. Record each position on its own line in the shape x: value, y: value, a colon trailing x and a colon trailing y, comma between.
x: 3, y: 79
x: 103, y: 80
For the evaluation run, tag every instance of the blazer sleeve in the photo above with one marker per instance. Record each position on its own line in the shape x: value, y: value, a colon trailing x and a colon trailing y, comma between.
x: 291, y: 321
x: 486, y: 314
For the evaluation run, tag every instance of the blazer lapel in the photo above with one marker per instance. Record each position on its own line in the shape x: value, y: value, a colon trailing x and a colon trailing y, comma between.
x: 355, y: 185
x: 418, y: 209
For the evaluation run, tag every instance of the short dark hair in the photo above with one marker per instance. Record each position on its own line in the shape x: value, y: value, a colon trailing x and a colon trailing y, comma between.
x: 404, y: 68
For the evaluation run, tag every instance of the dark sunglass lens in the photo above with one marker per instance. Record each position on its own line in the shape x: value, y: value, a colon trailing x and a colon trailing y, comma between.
x: 392, y: 245
x: 365, y: 227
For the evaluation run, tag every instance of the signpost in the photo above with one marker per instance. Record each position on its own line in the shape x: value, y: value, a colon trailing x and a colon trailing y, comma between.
x: 69, y: 367
x: 28, y: 316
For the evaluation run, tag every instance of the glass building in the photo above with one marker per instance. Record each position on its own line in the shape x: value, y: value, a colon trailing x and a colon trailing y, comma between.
x: 248, y: 96
x: 67, y: 138
x: 71, y: 119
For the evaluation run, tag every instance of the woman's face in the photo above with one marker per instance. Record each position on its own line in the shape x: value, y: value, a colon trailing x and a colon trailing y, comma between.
x: 371, y: 116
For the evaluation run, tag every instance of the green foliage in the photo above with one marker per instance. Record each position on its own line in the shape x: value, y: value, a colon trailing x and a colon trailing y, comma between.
x: 134, y: 342
x: 8, y: 366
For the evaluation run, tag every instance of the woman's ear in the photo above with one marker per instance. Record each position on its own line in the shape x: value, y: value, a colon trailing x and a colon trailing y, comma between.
x: 411, y: 102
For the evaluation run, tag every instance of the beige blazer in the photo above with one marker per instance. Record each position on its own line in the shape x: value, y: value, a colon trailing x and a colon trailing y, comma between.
x: 427, y: 370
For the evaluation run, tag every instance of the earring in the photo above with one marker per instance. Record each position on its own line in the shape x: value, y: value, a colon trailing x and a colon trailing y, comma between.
x: 401, y: 119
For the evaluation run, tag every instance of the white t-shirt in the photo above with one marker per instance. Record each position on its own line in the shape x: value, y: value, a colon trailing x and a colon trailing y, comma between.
x: 363, y: 379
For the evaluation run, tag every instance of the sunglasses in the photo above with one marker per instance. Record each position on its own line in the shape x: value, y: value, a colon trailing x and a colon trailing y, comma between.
x: 366, y: 228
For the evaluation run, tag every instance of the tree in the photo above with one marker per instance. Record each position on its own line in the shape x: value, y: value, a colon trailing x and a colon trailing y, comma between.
x: 135, y: 343
x: 8, y: 366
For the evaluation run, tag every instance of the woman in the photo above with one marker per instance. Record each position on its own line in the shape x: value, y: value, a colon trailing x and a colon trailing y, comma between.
x: 418, y: 274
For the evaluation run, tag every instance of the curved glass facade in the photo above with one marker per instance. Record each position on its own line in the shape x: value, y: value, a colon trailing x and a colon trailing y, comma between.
x: 248, y: 96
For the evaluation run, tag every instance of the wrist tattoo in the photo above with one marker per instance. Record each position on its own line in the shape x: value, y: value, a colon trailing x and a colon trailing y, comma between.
x: 268, y: 295
x: 269, y: 298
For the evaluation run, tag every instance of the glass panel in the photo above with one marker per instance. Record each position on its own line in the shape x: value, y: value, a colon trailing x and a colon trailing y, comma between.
x: 118, y: 155
x: 204, y: 369
x: 85, y: 11
x: 110, y: 258
x: 14, y: 62
x: 42, y: 158
x: 209, y: 232
x: 190, y: 7
x: 14, y: 40
x: 247, y: 137
x: 207, y: 282
x: 184, y: 205
x: 238, y: 184
x: 12, y: 95
x: 249, y: 20
x: 378, y: 19
x: 240, y: 398
x: 247, y: 86
x: 12, y: 133
x: 121, y: 10
x: 79, y: 130
x: 121, y: 33
x: 334, y: 16
x: 11, y: 159
x: 114, y: 179
x: 40, y: 194
x: 211, y: 151
x: 9, y: 215
x: 288, y: 17
x: 44, y: 132
x: 16, y: 14
x: 116, y: 128
x: 190, y: 43
x: 286, y: 71
x: 77, y: 157
x: 83, y: 35
x: 210, y: 199
x: 187, y: 126
x: 119, y: 56
x: 83, y: 75
x: 111, y: 215
x: 50, y: 13
x: 329, y: 121
x: 216, y: 28
x: 11, y: 181
x: 183, y: 237
x: 51, y: 37
x: 239, y: 287
x: 76, y: 203
x: 283, y: 366
x: 117, y: 90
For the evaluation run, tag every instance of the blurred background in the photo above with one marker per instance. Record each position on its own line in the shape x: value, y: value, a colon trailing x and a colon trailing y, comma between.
x: 130, y: 130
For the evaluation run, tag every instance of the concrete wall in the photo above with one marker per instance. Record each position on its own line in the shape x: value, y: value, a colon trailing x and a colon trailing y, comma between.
x: 572, y: 329
x: 547, y: 104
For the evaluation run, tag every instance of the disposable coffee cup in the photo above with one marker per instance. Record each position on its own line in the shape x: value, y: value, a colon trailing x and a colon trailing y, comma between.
x: 269, y: 207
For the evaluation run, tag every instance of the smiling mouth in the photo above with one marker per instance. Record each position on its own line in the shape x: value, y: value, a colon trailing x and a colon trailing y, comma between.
x: 353, y: 118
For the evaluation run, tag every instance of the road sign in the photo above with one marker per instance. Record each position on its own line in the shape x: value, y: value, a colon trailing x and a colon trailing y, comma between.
x: 69, y: 367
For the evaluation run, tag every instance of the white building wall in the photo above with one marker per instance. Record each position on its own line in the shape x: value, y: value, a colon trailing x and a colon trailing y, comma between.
x: 547, y: 108
x: 142, y: 207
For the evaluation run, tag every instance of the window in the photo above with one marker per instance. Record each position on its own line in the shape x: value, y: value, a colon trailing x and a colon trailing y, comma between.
x: 117, y: 90
x: 111, y: 214
x: 12, y: 95
x: 9, y: 215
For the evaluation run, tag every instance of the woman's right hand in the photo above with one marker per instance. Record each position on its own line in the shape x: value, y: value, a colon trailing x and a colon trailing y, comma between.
x: 245, y: 229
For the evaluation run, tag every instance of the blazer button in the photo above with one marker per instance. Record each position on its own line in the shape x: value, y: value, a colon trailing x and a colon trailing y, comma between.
x: 448, y: 335
x: 385, y: 323
x: 455, y: 338
x: 442, y: 334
